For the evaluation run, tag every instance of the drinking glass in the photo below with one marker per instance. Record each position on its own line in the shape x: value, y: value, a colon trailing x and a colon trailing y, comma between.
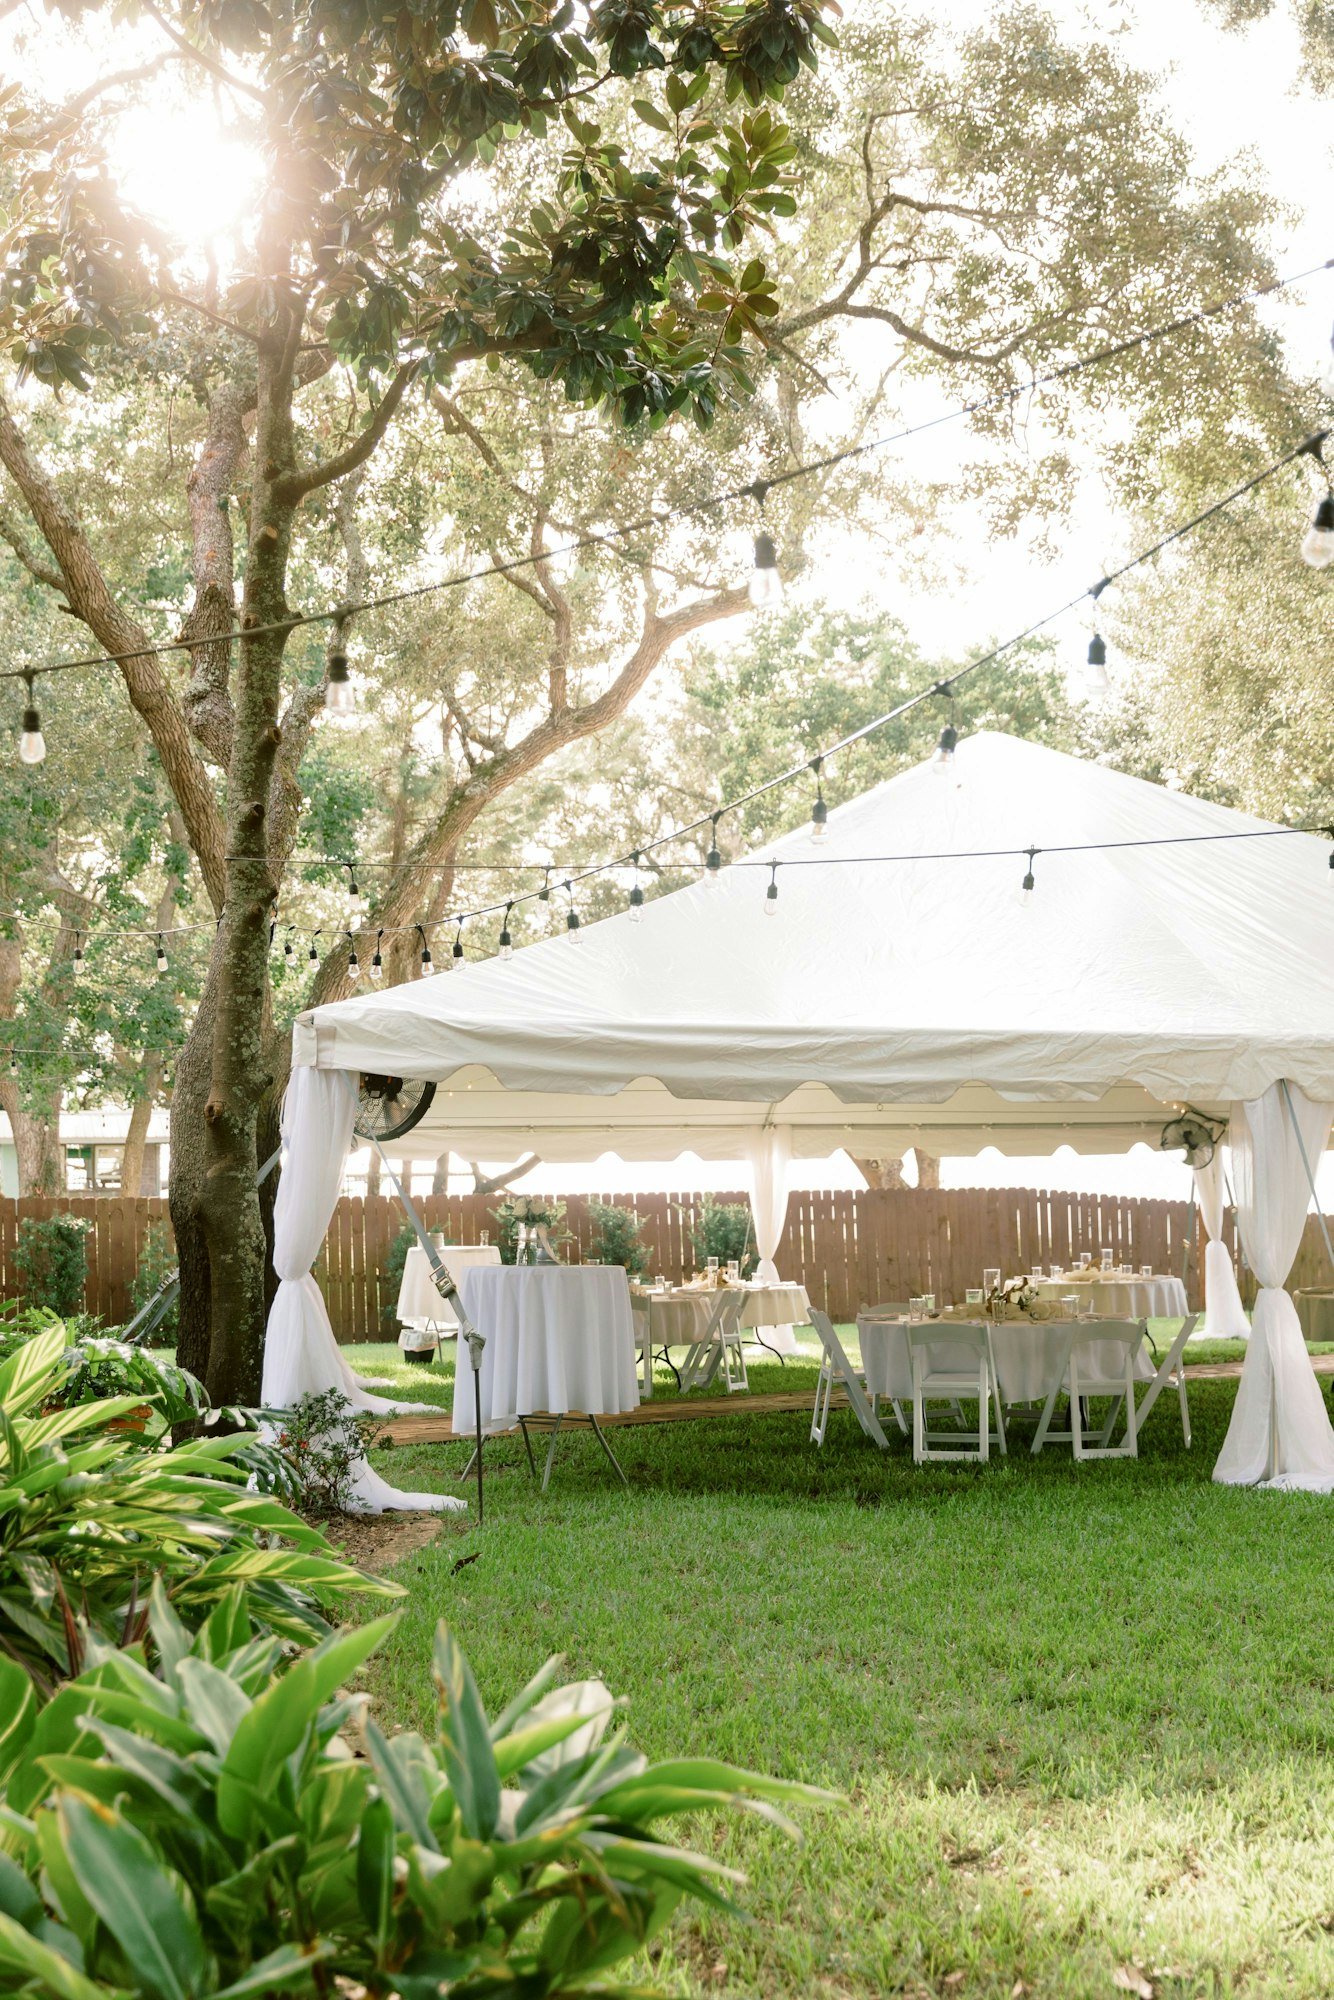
x: 1107, y: 1258
x: 1146, y: 1270
x: 990, y: 1280
x: 915, y: 1308
x: 486, y: 1236
x: 928, y: 1303
x: 1070, y: 1305
x: 974, y: 1296
x: 712, y: 1267
x: 734, y: 1268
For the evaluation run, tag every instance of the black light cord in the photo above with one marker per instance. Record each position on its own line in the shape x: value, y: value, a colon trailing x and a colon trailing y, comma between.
x: 660, y: 517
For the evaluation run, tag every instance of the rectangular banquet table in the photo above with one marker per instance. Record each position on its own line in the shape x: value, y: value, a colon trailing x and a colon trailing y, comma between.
x: 1027, y: 1353
x: 1159, y: 1297
x: 425, y: 1316
x: 559, y: 1337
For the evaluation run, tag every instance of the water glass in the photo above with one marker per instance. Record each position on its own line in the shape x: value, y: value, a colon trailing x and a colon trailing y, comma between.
x: 928, y: 1303
x: 1070, y: 1305
x: 915, y: 1309
x: 734, y: 1268
x: 486, y: 1236
x: 712, y: 1267
x: 1146, y: 1270
x: 1107, y: 1258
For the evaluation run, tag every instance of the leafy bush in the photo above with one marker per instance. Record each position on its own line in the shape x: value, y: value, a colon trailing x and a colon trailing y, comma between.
x: 322, y: 1439
x: 51, y: 1258
x: 213, y: 1834
x: 722, y: 1229
x: 99, y: 1367
x: 616, y: 1239
x: 391, y: 1278
x: 156, y: 1263
x: 91, y: 1514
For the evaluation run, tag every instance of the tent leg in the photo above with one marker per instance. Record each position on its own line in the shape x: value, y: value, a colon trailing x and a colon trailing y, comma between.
x: 447, y: 1289
x: 1310, y: 1177
x: 1190, y: 1238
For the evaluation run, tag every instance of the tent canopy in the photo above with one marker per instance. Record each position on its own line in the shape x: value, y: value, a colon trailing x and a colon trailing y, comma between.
x: 893, y: 1002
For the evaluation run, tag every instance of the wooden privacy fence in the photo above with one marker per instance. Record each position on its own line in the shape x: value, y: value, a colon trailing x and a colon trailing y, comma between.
x: 846, y: 1249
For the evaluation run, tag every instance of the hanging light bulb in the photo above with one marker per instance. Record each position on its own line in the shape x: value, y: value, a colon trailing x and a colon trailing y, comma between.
x: 713, y: 860
x: 506, y: 941
x: 160, y: 962
x: 353, y: 888
x: 765, y: 587
x: 426, y: 966
x: 458, y: 962
x: 32, y: 743
x: 544, y: 893
x: 287, y: 946
x: 377, y: 963
x: 942, y: 762
x: 353, y: 962
x: 636, y: 895
x: 819, y: 810
x: 1318, y: 545
x: 1026, y: 887
x: 571, y: 916
x: 77, y: 960
x: 338, y: 696
x: 312, y: 956
x: 771, y: 893
x: 1098, y: 682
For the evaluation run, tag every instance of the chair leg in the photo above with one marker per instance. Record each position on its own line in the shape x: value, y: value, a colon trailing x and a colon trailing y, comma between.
x: 899, y: 1417
x: 528, y: 1447
x: 1076, y: 1411
x: 1185, y: 1406
x: 983, y: 1413
x: 824, y: 1387
x: 1132, y: 1436
x: 918, y: 1425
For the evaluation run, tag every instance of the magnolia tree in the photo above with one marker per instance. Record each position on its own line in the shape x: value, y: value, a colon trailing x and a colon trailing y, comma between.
x: 517, y: 277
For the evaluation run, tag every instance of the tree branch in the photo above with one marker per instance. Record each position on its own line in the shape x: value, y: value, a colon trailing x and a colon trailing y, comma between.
x: 292, y: 487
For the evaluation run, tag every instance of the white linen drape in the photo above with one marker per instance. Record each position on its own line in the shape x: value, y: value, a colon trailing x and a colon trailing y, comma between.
x: 301, y: 1356
x: 1280, y: 1432
x: 1224, y: 1315
x: 769, y: 1152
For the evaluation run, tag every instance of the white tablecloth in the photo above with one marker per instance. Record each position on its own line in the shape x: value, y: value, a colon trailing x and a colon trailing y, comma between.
x: 420, y: 1306
x: 679, y: 1317
x: 558, y: 1337
x: 1121, y: 1298
x: 1026, y: 1354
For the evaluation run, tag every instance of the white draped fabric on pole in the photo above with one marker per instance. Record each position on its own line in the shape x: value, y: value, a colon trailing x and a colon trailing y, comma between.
x: 769, y: 1152
x: 301, y: 1356
x: 1280, y: 1432
x: 1224, y: 1315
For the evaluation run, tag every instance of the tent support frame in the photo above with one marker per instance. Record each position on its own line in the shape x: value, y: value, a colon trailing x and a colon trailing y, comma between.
x: 449, y: 1291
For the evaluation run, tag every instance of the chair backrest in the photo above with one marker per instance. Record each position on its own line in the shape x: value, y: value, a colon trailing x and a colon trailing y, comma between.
x: 948, y: 1342
x: 829, y: 1339
x: 1090, y: 1343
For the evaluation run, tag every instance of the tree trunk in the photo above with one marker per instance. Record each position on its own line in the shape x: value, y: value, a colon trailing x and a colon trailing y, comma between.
x: 882, y: 1173
x: 185, y: 1188
x: 928, y: 1169
x: 136, y: 1134
x: 439, y: 1179
x: 37, y: 1148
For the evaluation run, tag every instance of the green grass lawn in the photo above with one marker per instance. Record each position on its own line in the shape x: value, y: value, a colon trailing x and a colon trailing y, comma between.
x: 1082, y: 1717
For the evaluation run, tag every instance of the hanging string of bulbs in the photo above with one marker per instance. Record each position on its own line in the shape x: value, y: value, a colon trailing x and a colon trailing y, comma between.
x: 765, y: 586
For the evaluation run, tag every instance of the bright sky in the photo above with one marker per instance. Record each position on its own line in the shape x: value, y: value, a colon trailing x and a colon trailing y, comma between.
x: 1233, y: 94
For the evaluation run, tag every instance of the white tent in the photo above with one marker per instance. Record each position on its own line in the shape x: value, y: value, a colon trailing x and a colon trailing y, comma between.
x: 890, y: 1000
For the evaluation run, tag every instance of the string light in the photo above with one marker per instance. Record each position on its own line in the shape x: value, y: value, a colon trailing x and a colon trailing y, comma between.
x: 819, y: 810
x: 339, y: 698
x: 571, y: 916
x: 77, y: 960
x: 713, y: 860
x: 765, y: 588
x: 506, y: 941
x: 32, y: 743
x: 288, y: 949
x: 1098, y: 682
x: 353, y: 889
x: 1026, y: 887
x: 353, y: 962
x: 544, y: 893
x: 160, y: 962
x: 426, y: 966
x: 377, y: 962
x: 636, y: 894
x: 457, y: 960
x: 312, y: 956
x: 771, y: 893
x: 1318, y: 545
x: 942, y: 761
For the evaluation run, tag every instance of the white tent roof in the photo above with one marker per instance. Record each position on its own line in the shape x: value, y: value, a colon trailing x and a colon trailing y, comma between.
x: 887, y: 1003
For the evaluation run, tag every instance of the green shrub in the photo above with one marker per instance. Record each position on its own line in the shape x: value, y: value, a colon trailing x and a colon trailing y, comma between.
x: 616, y: 1239
x: 156, y: 1263
x: 723, y: 1229
x: 322, y: 1439
x: 213, y: 1833
x: 51, y: 1258
x: 98, y: 1367
x: 91, y: 1513
x: 391, y: 1279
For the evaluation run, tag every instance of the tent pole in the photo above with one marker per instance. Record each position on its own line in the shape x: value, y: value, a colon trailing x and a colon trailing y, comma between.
x: 150, y: 1315
x: 1310, y: 1177
x: 1190, y: 1235
x: 447, y: 1289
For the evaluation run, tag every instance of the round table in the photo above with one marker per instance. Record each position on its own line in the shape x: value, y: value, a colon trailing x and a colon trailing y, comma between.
x: 1159, y: 1297
x: 425, y: 1316
x: 1315, y: 1310
x: 559, y: 1338
x: 1026, y: 1354
x: 677, y: 1318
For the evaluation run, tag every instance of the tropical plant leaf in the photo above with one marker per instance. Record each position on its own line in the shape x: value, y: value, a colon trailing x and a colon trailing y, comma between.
x: 133, y: 1895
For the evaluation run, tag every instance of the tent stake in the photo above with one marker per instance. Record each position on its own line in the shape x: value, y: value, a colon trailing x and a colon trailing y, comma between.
x: 447, y: 1289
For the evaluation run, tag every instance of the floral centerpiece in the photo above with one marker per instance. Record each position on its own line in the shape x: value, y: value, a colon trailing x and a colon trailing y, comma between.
x: 529, y: 1228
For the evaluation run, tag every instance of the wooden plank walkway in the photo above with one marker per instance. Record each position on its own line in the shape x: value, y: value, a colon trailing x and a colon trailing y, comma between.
x: 778, y: 1403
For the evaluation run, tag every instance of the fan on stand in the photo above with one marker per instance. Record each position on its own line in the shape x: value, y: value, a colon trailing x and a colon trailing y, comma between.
x: 389, y: 1106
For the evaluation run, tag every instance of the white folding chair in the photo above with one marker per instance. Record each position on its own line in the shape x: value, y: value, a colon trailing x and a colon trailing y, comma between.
x: 890, y: 1309
x: 1081, y: 1371
x: 952, y: 1363
x: 1172, y: 1369
x: 836, y: 1367
x: 718, y: 1347
x: 642, y: 1322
